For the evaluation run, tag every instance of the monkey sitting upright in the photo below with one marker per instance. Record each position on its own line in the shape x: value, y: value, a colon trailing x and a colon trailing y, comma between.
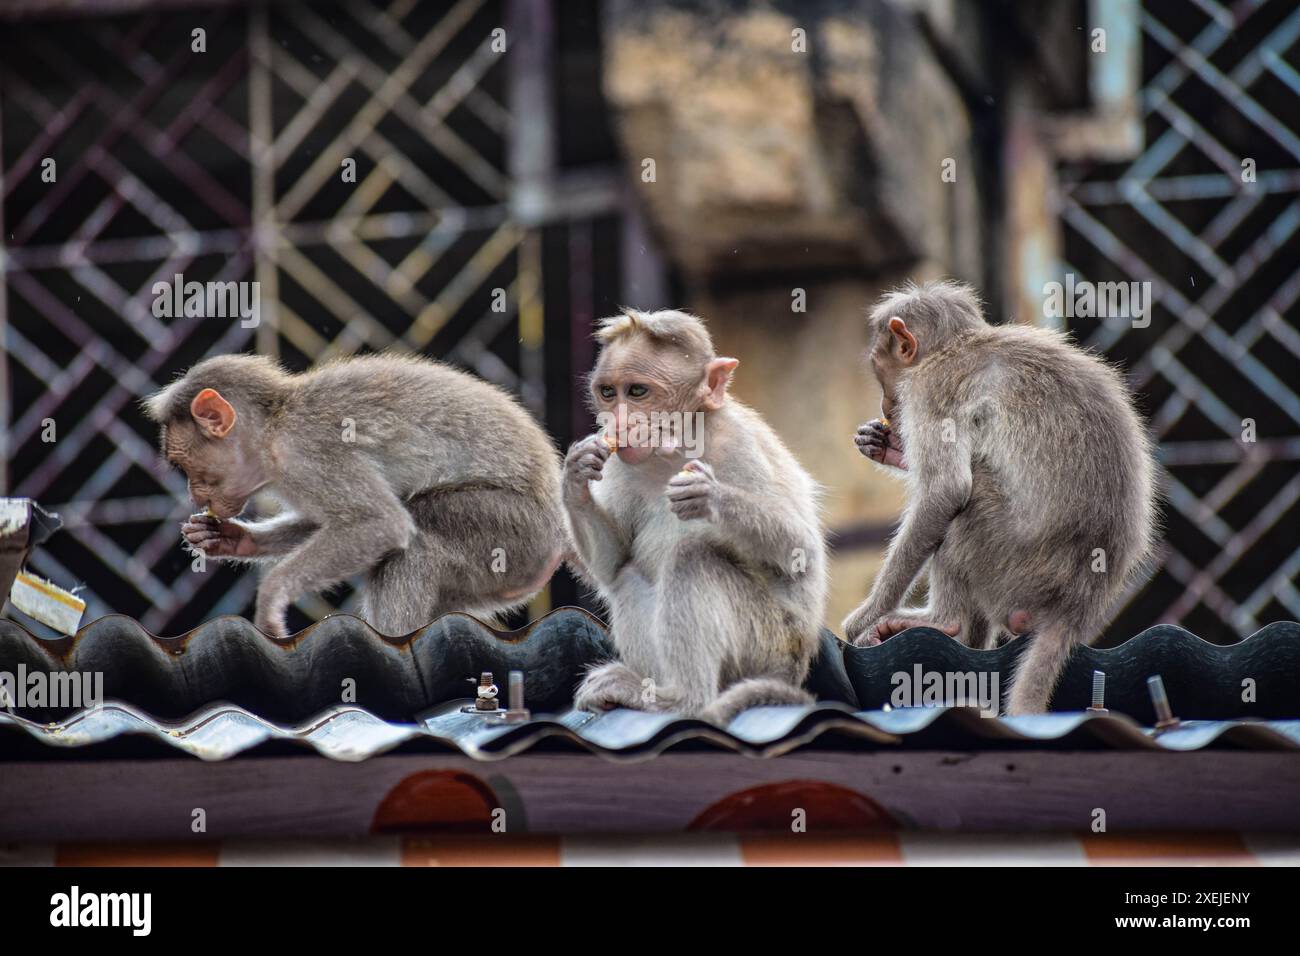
x: 713, y: 567
x: 435, y: 485
x: 1031, y: 486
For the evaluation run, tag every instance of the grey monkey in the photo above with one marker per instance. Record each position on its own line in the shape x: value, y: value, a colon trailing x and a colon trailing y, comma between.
x: 713, y: 568
x: 1030, y: 479
x: 436, y: 486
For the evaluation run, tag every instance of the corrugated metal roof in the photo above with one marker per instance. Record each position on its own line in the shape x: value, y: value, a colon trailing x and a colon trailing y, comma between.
x: 352, y: 734
x: 291, y: 681
x: 1256, y: 678
x: 226, y: 688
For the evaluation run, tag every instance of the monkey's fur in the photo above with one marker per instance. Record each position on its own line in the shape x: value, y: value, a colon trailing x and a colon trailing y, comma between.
x: 446, y: 498
x: 1026, y: 465
x: 714, y: 574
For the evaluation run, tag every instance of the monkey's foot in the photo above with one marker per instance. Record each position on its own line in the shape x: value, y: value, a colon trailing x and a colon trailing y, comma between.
x: 754, y: 692
x: 612, y: 685
x: 270, y: 616
x: 887, y: 627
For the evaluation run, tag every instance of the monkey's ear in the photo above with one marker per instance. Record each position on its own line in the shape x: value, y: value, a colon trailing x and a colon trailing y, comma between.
x: 906, y: 340
x: 716, y: 376
x: 213, y: 414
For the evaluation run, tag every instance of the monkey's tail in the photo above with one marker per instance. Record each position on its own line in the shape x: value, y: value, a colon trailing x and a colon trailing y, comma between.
x: 1040, y: 668
x: 754, y: 692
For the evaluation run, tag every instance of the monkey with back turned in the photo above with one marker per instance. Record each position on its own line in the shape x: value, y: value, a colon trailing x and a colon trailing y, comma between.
x: 436, y: 486
x: 1031, y: 483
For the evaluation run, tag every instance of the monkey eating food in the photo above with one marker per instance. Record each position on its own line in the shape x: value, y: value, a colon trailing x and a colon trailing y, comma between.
x: 435, y: 486
x: 713, y: 567
x: 1031, y: 483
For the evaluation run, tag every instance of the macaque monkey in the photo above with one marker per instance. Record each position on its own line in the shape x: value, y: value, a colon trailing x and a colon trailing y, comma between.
x: 713, y: 567
x: 1030, y: 478
x: 436, y: 486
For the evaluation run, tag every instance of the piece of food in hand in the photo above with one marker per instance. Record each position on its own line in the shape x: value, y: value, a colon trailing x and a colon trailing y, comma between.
x: 611, y: 441
x: 208, y: 512
x: 885, y: 422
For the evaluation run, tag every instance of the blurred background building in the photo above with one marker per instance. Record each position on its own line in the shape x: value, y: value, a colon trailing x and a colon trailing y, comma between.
x: 524, y: 167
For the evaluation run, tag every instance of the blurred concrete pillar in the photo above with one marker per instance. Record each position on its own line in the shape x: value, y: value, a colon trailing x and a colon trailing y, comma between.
x: 762, y: 140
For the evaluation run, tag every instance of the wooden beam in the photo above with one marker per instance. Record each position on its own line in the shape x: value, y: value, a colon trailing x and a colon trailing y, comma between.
x: 300, y: 796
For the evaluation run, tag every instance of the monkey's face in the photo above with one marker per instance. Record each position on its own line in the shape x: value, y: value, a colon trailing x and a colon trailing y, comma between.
x: 222, y: 472
x: 892, y: 353
x: 886, y: 373
x: 639, y: 395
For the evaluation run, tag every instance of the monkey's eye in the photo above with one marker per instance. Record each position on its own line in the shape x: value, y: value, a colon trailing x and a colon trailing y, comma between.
x: 608, y: 392
x: 637, y: 391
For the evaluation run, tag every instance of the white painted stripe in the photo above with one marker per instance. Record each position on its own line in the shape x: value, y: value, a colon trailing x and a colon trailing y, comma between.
x: 369, y: 851
x: 1274, y: 849
x: 669, y: 849
x: 27, y: 854
x: 688, y: 849
x: 991, y: 849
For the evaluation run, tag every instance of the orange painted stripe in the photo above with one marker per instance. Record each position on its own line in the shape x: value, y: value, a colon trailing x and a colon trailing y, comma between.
x: 52, y: 591
x: 820, y: 849
x: 481, y: 851
x: 1153, y: 848
x: 138, y: 854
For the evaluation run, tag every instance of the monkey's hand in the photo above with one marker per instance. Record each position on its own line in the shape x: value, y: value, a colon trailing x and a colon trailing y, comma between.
x: 880, y: 443
x: 585, y: 462
x: 217, y: 538
x: 692, y: 492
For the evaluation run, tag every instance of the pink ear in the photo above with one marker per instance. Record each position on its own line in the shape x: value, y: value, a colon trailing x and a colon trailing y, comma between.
x: 906, y: 340
x: 213, y: 414
x: 716, y: 376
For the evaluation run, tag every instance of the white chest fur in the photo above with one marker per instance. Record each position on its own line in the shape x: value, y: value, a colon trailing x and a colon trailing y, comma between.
x: 634, y: 497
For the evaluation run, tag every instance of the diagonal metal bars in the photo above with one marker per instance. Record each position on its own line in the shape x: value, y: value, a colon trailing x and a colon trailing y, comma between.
x: 1222, y: 93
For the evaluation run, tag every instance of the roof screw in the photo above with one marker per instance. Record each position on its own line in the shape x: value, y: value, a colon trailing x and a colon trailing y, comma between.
x: 487, y: 694
x: 518, y: 713
x: 1098, y: 705
x: 1165, y: 719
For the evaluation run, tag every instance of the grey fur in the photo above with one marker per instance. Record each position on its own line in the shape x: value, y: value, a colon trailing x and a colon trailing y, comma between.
x: 1049, y: 463
x: 715, y: 578
x: 443, y: 470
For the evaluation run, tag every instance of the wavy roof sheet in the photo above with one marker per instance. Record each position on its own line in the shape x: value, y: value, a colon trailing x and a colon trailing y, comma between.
x: 352, y: 734
x: 225, y: 688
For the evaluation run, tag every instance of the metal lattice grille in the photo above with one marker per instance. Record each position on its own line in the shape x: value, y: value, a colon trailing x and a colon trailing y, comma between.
x: 226, y: 165
x: 1222, y: 86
